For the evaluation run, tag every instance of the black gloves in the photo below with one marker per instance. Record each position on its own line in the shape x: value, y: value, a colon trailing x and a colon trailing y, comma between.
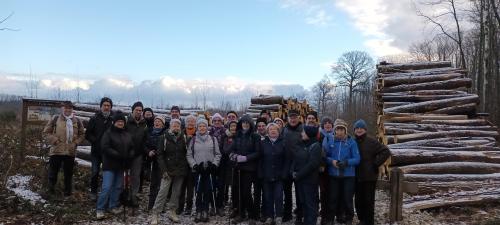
x: 342, y: 164
x: 197, y: 168
x: 212, y: 167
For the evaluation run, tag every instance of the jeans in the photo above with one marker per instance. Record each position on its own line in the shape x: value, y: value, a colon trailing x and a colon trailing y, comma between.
x: 175, y: 183
x: 308, y: 201
x: 273, y: 199
x: 112, y: 186
x: 96, y: 169
x: 68, y: 163
x: 342, y: 192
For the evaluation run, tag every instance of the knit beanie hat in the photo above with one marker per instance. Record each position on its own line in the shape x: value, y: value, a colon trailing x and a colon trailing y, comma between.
x: 161, y: 118
x: 340, y: 123
x: 217, y: 116
x: 137, y: 104
x: 119, y: 116
x: 360, y: 124
x: 201, y: 121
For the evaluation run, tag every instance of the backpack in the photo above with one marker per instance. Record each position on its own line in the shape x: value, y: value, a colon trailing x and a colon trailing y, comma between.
x: 53, y: 122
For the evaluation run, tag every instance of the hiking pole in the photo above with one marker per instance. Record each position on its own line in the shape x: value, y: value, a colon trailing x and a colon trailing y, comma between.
x: 213, y: 193
x: 125, y: 183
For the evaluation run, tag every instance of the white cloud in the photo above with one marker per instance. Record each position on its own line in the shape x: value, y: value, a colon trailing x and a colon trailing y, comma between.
x: 320, y: 18
x: 314, y: 11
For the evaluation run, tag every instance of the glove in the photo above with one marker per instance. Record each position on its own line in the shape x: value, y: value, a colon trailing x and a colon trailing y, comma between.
x: 212, y: 167
x: 241, y: 158
x: 342, y: 164
x: 233, y: 156
x: 165, y: 175
x: 196, y: 168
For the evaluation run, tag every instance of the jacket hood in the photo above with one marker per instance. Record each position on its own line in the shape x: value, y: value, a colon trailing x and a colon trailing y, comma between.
x: 248, y: 119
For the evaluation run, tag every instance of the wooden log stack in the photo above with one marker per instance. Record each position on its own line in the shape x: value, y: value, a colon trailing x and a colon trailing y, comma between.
x: 429, y: 120
x: 277, y: 105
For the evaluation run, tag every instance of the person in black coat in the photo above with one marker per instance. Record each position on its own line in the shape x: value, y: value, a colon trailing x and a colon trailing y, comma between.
x: 117, y: 151
x: 96, y: 127
x: 244, y: 153
x: 154, y: 135
x: 273, y: 169
x: 373, y: 155
x: 304, y: 170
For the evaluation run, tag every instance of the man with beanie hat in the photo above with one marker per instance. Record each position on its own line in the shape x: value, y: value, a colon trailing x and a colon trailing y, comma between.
x: 137, y: 128
x: 373, y: 155
x: 305, y: 165
x: 96, y: 127
x: 342, y: 157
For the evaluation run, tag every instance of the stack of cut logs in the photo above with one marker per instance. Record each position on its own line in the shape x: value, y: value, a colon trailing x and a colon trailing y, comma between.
x: 429, y: 121
x: 277, y: 106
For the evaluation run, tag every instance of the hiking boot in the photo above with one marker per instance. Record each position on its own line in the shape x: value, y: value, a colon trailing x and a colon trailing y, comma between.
x: 268, y: 221
x: 220, y: 212
x: 116, y: 210
x: 93, y: 197
x: 99, y: 215
x: 234, y: 214
x: 173, y: 216
x: 154, y: 219
x: 278, y: 221
x: 134, y: 202
x: 187, y: 212
x: 204, y: 216
x: 287, y: 218
x: 298, y: 221
x: 252, y: 222
x: 239, y: 219
x: 197, y: 217
x: 211, y: 212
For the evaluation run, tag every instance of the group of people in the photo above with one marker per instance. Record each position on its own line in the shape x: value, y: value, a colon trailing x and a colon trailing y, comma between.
x: 253, y: 165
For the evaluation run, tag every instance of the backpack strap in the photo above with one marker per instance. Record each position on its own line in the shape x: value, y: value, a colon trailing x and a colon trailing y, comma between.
x: 213, y: 143
x: 53, y: 123
x: 192, y: 146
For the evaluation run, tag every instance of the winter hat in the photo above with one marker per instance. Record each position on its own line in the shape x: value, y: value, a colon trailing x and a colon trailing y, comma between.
x: 313, y: 113
x: 148, y: 110
x: 106, y: 99
x: 278, y: 119
x: 231, y: 122
x: 326, y: 120
x: 311, y: 131
x: 200, y: 121
x: 119, y: 116
x: 340, y: 123
x: 218, y: 116
x: 360, y: 124
x: 175, y: 108
x: 261, y: 119
x: 272, y: 125
x: 175, y: 121
x: 293, y: 112
x: 161, y: 118
x: 137, y: 104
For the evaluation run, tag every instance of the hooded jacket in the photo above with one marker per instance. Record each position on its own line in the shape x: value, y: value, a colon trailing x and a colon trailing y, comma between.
x: 246, y: 143
x: 342, y: 150
x: 139, y: 133
x: 117, y: 149
x: 98, y: 124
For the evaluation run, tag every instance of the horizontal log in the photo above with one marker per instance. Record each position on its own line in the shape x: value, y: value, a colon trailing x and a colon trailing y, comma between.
x: 403, y: 157
x: 400, y: 131
x: 452, y: 133
x: 447, y: 142
x: 451, y: 177
x: 425, y: 92
x: 394, y: 104
x: 469, y: 122
x: 452, y: 168
x: 422, y: 72
x: 83, y: 152
x: 267, y: 100
x: 435, y: 85
x: 436, y: 127
x: 475, y: 197
x: 414, y: 66
x: 445, y: 149
x: 274, y: 107
x: 467, y: 109
x: 412, y: 79
x: 428, y: 188
x: 407, y: 117
x: 418, y: 98
x: 429, y: 106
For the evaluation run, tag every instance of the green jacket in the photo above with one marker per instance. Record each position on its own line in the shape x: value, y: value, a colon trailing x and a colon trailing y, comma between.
x: 171, y: 156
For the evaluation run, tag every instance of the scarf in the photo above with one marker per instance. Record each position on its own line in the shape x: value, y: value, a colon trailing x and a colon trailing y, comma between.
x: 190, y: 131
x: 69, y: 128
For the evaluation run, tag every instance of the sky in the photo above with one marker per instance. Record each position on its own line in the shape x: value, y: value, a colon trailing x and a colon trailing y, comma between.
x: 235, y: 45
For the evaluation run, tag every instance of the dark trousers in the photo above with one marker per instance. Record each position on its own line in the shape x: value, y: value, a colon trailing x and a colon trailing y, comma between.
x: 146, y: 171
x: 341, y: 192
x: 187, y: 192
x: 96, y: 168
x: 287, y: 194
x: 308, y: 201
x: 154, y: 185
x: 67, y: 163
x: 221, y: 183
x: 204, y: 191
x: 365, y: 201
x: 257, y: 196
x: 324, y: 179
x: 242, y: 184
x: 273, y: 199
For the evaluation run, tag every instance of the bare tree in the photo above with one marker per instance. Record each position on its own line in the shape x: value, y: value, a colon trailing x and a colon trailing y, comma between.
x: 322, y: 93
x: 352, y: 70
x: 422, y: 51
x: 4, y: 20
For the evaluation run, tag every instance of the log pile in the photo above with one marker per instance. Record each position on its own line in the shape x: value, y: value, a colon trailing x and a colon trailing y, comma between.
x: 277, y: 105
x: 429, y: 120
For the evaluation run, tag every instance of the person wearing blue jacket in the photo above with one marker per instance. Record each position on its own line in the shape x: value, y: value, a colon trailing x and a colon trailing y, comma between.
x: 342, y: 157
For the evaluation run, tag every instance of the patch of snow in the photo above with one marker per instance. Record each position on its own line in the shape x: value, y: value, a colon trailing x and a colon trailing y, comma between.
x: 20, y: 186
x: 82, y: 162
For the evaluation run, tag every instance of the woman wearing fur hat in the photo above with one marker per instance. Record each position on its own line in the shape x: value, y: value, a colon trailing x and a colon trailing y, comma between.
x: 342, y: 157
x: 203, y: 156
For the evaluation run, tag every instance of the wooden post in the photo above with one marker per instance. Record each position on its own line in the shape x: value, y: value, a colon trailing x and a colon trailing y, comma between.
x: 396, y: 191
x: 24, y: 119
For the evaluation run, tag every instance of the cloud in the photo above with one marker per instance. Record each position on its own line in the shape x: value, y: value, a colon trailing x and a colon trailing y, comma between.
x: 164, y: 91
x: 315, y: 12
x: 320, y: 18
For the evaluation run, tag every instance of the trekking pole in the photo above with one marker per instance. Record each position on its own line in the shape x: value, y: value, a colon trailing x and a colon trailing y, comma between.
x: 125, y: 183
x: 213, y: 193
x: 239, y: 193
